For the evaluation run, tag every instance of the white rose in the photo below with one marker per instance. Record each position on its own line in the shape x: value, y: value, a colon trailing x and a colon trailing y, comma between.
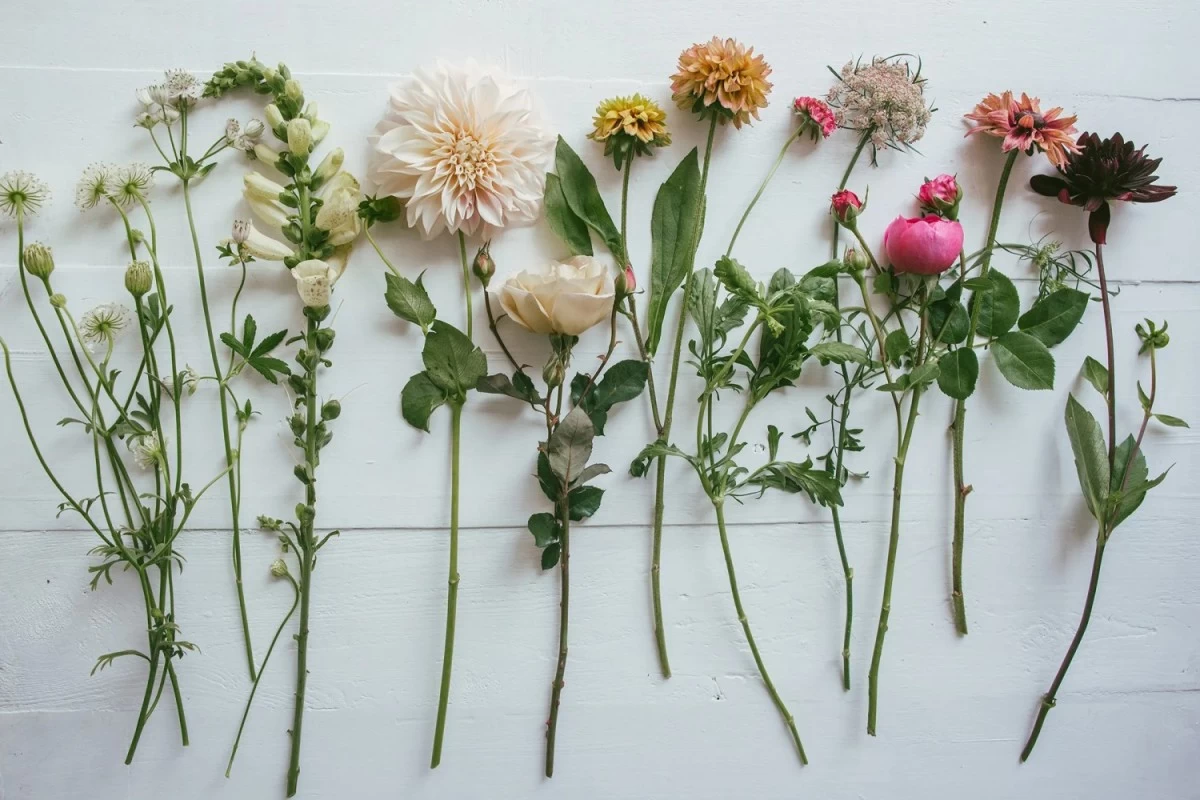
x: 563, y: 297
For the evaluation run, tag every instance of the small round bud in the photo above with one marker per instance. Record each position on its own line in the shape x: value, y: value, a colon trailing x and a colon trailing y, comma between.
x: 254, y: 129
x: 279, y: 568
x: 325, y: 337
x: 846, y: 206
x: 625, y: 283
x: 854, y: 260
x: 554, y: 372
x: 484, y: 267
x: 331, y: 410
x: 138, y: 278
x: 58, y: 300
x: 39, y: 260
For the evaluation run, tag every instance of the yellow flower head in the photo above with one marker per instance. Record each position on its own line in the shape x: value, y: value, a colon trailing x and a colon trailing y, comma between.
x: 724, y: 78
x: 630, y: 126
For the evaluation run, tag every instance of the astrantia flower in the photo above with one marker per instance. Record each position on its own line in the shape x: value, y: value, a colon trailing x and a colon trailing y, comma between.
x: 817, y: 117
x: 130, y: 183
x: 1100, y: 171
x: 464, y: 149
x: 724, y: 78
x: 147, y: 450
x: 22, y: 191
x: 626, y: 125
x: 101, y: 325
x: 94, y: 185
x: 182, y: 87
x: 1023, y: 126
x: 884, y: 99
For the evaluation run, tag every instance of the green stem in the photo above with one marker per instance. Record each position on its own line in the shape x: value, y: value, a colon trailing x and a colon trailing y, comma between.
x: 452, y: 582
x: 961, y: 489
x: 762, y: 188
x: 719, y: 506
x: 660, y: 479
x: 307, y: 552
x: 466, y: 270
x: 234, y: 498
x: 564, y: 562
x: 862, y: 143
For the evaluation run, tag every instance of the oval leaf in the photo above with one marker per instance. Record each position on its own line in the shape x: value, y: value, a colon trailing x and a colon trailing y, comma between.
x: 1054, y: 317
x: 582, y: 196
x: 1091, y: 457
x: 1024, y: 361
x: 672, y: 240
x: 565, y: 223
x: 999, y: 306
x: 958, y: 372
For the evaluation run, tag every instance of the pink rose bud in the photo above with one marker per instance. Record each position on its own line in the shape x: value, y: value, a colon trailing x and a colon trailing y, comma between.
x: 845, y: 206
x: 626, y: 282
x: 941, y: 196
x: 923, y: 245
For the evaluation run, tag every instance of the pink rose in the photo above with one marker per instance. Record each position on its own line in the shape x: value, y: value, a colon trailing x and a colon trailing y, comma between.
x: 846, y: 205
x: 923, y: 245
x: 941, y: 196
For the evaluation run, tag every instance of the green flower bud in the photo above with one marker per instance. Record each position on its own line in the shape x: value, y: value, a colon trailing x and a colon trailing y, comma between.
x: 58, y: 300
x: 274, y: 116
x: 1152, y: 336
x: 331, y: 410
x: 39, y: 260
x: 854, y: 260
x: 138, y: 278
x: 554, y: 372
x: 293, y: 92
x: 279, y: 568
x: 328, y: 167
x: 325, y: 337
x: 299, y: 136
x: 484, y: 267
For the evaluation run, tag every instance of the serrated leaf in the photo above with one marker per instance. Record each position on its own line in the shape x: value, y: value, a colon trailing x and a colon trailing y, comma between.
x: 948, y: 321
x: 409, y: 301
x: 1091, y: 456
x: 249, y: 331
x: 1052, y: 319
x: 584, y: 501
x: 582, y: 196
x: 620, y: 383
x: 570, y: 446
x: 418, y: 400
x: 520, y: 387
x: 673, y: 237
x: 1024, y: 361
x: 452, y: 362
x: 839, y: 353
x: 999, y: 306
x: 896, y: 345
x: 268, y: 344
x: 958, y: 371
x: 565, y: 223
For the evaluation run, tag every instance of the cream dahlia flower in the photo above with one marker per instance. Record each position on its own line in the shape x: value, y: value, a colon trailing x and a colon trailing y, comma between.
x: 464, y: 149
x: 562, y: 297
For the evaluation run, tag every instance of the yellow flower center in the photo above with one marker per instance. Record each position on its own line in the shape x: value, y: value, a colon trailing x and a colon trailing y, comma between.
x: 470, y: 161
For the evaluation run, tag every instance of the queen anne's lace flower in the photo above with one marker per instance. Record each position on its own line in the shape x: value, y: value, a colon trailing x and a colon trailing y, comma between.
x: 884, y: 99
x: 464, y: 149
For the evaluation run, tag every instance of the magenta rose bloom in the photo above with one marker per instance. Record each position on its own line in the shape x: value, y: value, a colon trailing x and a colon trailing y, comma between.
x: 941, y: 196
x: 925, y: 245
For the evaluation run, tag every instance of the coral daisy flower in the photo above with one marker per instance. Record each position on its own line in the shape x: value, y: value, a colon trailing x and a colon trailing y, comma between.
x: 1023, y: 126
x: 722, y: 77
x: 464, y: 149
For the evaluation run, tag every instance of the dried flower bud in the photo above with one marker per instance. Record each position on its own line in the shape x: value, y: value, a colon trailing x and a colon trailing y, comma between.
x: 39, y: 260
x: 483, y: 266
x: 138, y: 278
x: 279, y: 568
x: 254, y: 129
x: 299, y: 136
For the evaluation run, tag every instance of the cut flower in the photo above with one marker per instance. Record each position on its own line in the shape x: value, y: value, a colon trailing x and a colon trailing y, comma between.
x: 724, y: 78
x: 628, y: 126
x: 560, y: 298
x: 1023, y: 126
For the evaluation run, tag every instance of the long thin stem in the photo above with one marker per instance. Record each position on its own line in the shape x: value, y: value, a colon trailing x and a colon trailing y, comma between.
x: 1050, y: 698
x: 961, y: 489
x: 762, y: 188
x: 564, y: 564
x: 452, y: 589
x: 307, y: 551
x: 660, y: 477
x: 788, y: 719
x: 234, y: 498
x: 466, y: 270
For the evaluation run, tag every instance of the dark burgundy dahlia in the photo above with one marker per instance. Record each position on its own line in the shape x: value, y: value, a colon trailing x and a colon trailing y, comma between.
x: 1103, y: 170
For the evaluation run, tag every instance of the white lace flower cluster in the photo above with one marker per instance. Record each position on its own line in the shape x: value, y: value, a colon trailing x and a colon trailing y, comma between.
x: 162, y: 102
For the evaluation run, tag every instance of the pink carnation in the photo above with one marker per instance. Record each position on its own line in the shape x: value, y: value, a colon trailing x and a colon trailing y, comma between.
x: 818, y: 112
x: 925, y: 245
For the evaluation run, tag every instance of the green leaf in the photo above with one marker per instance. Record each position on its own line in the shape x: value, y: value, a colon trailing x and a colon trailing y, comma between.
x: 896, y: 345
x: 1142, y: 398
x: 773, y: 437
x: 589, y: 472
x: 948, y: 321
x: 1024, y: 361
x: 1096, y: 374
x: 673, y: 236
x: 1127, y: 474
x: 801, y: 477
x: 621, y: 383
x: 583, y: 501
x: 418, y: 400
x: 519, y: 388
x: 409, y: 301
x: 1091, y: 456
x: 736, y: 280
x: 249, y: 331
x: 550, y: 556
x: 566, y: 225
x: 268, y: 344
x: 1052, y: 319
x: 452, y: 362
x: 582, y: 196
x: 923, y: 374
x: 839, y: 353
x: 999, y: 306
x: 958, y: 371
x: 1174, y: 422
x: 547, y: 480
x: 570, y: 446
x: 545, y: 529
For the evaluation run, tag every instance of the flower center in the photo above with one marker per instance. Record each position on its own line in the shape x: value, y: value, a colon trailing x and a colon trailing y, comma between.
x: 471, y: 162
x: 1031, y: 120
